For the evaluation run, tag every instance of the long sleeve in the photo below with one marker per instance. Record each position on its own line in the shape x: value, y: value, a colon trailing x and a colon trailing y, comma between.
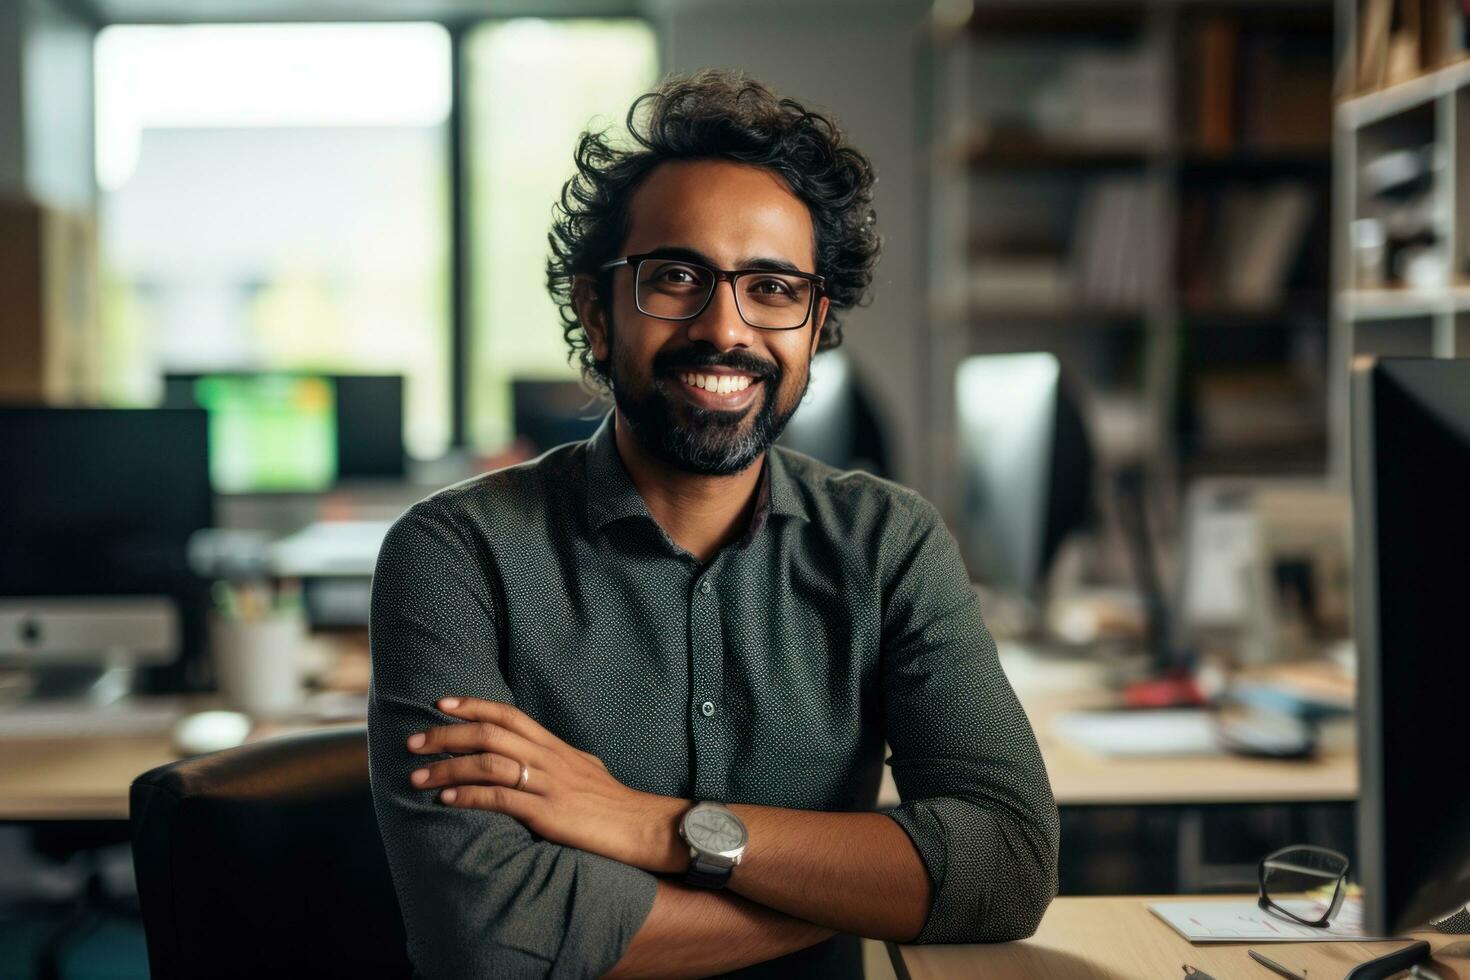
x: 977, y: 801
x: 481, y: 896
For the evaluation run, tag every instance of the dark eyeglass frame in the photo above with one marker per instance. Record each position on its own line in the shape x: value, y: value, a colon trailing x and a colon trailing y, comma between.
x: 720, y: 275
x: 1270, y: 906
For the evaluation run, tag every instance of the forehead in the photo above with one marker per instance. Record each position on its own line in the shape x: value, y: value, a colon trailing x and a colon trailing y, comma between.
x: 730, y: 211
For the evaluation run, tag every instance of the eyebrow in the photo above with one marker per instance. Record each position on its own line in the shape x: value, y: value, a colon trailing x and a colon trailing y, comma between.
x: 763, y: 263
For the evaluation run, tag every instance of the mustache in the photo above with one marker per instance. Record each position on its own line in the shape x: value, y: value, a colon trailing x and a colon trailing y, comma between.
x: 708, y: 357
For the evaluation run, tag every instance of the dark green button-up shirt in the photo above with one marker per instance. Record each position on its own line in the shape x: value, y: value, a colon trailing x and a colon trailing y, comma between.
x: 841, y: 620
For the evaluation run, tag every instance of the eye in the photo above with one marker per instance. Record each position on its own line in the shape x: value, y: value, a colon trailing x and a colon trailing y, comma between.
x: 677, y: 275
x: 771, y: 287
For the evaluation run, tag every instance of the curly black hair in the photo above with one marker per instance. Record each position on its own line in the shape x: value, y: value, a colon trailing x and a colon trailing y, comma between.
x: 713, y: 114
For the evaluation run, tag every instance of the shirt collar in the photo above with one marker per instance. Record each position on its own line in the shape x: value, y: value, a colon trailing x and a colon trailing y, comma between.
x: 611, y: 495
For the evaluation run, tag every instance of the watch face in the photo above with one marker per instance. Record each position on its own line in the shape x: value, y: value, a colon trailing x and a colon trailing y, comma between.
x: 714, y: 830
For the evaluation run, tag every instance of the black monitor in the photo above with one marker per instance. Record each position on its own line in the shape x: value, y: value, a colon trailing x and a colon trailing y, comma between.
x: 837, y: 421
x: 549, y: 413
x: 352, y: 430
x: 102, y: 503
x: 1026, y: 466
x: 369, y: 426
x: 1411, y: 503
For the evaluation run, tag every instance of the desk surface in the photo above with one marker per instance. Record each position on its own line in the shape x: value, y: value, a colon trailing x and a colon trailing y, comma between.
x: 1119, y: 938
x: 88, y: 777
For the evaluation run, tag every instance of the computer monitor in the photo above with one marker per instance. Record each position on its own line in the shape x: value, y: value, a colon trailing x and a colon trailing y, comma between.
x: 549, y: 413
x: 370, y: 426
x: 1025, y: 466
x: 267, y: 432
x: 96, y: 512
x: 296, y: 431
x: 836, y: 422
x: 1411, y: 508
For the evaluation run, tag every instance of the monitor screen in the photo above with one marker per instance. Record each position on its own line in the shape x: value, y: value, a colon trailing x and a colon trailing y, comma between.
x: 267, y: 432
x: 1411, y: 477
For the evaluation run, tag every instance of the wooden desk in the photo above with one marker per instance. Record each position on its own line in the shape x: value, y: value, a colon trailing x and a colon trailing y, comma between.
x: 1082, y: 778
x: 88, y: 778
x: 1048, y: 687
x: 74, y: 778
x: 1119, y: 939
x: 85, y: 778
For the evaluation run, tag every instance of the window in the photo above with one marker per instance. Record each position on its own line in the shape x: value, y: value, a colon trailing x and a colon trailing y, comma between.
x: 532, y: 86
x: 275, y: 197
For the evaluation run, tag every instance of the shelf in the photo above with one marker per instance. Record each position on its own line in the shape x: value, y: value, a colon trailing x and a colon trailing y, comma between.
x: 1023, y: 153
x: 1311, y: 162
x: 1292, y: 311
x: 1398, y: 304
x: 1087, y: 317
x: 1054, y: 18
x: 1364, y: 110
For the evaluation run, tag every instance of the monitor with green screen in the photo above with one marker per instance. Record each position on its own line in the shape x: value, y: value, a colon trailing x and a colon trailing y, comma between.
x: 269, y: 432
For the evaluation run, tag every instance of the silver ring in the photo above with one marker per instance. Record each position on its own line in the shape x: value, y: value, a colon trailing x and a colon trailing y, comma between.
x: 525, y: 776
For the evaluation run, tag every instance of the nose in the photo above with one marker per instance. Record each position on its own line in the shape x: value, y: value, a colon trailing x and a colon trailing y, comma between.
x: 720, y: 324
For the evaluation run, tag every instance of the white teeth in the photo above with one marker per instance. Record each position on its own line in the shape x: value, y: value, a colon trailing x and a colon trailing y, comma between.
x: 720, y: 384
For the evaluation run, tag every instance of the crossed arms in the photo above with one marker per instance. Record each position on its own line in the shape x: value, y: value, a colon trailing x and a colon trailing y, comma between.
x: 970, y: 856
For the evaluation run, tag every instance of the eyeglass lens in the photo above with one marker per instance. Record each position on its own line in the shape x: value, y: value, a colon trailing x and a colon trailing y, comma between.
x: 679, y: 290
x: 1306, y: 883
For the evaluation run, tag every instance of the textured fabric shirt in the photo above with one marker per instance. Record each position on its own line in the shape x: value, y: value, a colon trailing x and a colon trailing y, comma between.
x: 773, y: 674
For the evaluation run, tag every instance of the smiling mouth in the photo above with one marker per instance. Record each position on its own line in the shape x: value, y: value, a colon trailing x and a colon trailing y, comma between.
x: 718, y: 384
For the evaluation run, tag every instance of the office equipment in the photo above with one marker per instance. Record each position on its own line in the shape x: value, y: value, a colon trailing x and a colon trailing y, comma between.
x: 1390, y: 964
x: 100, y: 513
x: 210, y: 731
x: 1170, y: 732
x: 836, y: 421
x: 1241, y: 921
x: 267, y: 432
x: 1275, y: 967
x: 1411, y: 467
x: 133, y: 717
x: 1265, y: 567
x: 288, y: 823
x: 296, y: 431
x: 370, y: 426
x: 1026, y: 466
x: 1119, y: 937
x: 550, y: 413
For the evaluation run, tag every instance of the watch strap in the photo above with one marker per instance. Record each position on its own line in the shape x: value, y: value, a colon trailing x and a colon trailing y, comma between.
x: 705, y: 875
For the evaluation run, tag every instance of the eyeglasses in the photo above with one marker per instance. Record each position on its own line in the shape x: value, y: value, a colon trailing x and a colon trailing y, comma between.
x: 678, y: 289
x: 1294, y: 881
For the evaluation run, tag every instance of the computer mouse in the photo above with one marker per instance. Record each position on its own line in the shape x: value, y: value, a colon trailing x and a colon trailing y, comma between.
x: 210, y: 731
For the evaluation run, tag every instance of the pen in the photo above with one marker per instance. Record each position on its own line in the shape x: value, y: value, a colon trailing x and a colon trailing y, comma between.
x: 1275, y: 967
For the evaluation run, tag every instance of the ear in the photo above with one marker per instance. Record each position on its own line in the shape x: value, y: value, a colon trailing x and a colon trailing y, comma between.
x: 820, y: 319
x: 591, y: 313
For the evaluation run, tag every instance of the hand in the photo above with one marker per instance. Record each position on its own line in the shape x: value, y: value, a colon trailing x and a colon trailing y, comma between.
x: 568, y: 798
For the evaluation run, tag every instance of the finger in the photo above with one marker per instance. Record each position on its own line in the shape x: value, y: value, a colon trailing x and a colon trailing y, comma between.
x: 502, y: 799
x: 476, y: 736
x: 501, y: 713
x: 483, y: 769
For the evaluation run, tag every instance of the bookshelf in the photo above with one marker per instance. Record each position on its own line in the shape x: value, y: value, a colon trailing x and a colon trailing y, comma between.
x: 1401, y: 264
x: 1144, y: 189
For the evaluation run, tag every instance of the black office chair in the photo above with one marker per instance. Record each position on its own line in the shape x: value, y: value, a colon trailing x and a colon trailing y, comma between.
x: 265, y: 860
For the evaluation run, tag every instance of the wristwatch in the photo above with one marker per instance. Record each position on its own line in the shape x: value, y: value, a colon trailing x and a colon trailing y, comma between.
x: 716, y: 839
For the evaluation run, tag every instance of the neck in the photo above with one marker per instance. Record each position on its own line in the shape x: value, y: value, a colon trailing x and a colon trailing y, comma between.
x: 701, y: 513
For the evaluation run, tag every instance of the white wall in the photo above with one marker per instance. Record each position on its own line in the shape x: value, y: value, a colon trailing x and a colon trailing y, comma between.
x: 860, y: 60
x: 46, y: 104
x: 57, y: 104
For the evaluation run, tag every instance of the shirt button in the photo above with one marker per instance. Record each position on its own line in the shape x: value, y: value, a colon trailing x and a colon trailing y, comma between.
x: 707, y: 709
x: 705, y: 587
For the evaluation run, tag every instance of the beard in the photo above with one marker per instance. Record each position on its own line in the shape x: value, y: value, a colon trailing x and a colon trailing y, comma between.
x: 701, y: 440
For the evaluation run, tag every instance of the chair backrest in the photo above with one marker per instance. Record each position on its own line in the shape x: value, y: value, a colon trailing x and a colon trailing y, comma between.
x: 265, y: 860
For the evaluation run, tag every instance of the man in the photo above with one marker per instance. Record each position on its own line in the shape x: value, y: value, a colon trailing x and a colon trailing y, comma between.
x: 570, y: 654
